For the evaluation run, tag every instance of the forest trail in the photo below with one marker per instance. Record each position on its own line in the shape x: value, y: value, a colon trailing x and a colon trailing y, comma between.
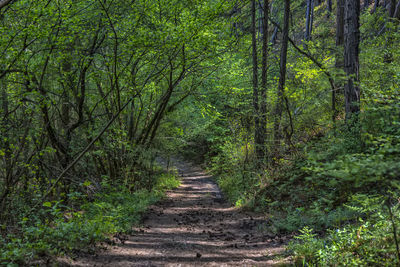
x: 193, y: 226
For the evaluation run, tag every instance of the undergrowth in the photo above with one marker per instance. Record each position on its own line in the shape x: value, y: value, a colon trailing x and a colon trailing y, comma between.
x: 368, y: 242
x: 64, y: 230
x: 335, y: 185
x: 339, y: 193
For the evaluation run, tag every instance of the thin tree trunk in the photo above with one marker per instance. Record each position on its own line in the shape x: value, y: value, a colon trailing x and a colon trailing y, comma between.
x: 158, y: 116
x: 282, y: 79
x: 4, y: 3
x: 339, y: 55
x: 311, y: 18
x: 131, y: 122
x: 329, y: 7
x: 376, y: 5
x: 308, y: 16
x: 6, y: 148
x: 255, y: 79
x: 340, y: 23
x: 366, y: 4
x: 351, y: 60
x: 276, y: 28
x: 264, y: 73
x: 76, y: 160
x: 392, y: 8
x: 274, y: 35
x: 397, y: 11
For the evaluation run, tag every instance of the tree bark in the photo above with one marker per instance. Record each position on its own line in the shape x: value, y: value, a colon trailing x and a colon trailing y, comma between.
x: 5, y: 145
x: 255, y: 80
x: 397, y: 11
x: 3, y: 3
x: 264, y: 73
x: 311, y: 18
x: 282, y: 79
x: 329, y: 7
x: 308, y: 22
x: 339, y: 55
x: 351, y: 60
x: 340, y: 23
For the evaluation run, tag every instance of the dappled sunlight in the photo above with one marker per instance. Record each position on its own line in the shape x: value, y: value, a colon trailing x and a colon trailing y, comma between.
x: 194, y: 226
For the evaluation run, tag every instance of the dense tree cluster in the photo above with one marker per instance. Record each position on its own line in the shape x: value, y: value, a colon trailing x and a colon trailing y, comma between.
x: 96, y: 77
x: 93, y: 92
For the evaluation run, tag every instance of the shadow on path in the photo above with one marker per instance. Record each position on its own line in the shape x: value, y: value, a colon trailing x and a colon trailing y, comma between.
x: 193, y: 226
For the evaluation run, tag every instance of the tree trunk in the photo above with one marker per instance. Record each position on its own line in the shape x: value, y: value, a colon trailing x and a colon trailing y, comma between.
x: 255, y: 80
x: 282, y: 79
x: 5, y: 145
x: 4, y: 3
x: 274, y: 35
x: 311, y: 18
x: 329, y: 7
x: 351, y: 61
x: 308, y: 18
x: 366, y: 4
x: 376, y: 5
x: 397, y: 11
x: 392, y: 8
x: 339, y: 44
x: 131, y: 122
x: 264, y: 73
x: 340, y: 23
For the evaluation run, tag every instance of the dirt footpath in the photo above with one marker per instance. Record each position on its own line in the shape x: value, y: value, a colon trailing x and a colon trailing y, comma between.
x: 193, y: 226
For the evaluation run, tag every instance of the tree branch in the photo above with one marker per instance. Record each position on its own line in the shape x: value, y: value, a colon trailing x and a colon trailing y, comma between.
x: 310, y: 57
x: 4, y: 3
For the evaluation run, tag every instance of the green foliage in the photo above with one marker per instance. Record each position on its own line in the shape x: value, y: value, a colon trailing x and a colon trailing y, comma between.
x: 366, y: 243
x: 115, y: 210
x: 332, y: 177
x: 305, y: 253
x: 69, y: 66
x: 234, y: 168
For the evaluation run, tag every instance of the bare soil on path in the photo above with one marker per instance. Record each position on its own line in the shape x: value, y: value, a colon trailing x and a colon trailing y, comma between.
x: 193, y: 226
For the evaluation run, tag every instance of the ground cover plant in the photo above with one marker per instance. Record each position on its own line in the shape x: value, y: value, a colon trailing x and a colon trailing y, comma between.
x: 113, y: 211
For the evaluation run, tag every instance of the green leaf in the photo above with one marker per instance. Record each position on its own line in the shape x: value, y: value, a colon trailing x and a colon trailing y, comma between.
x: 87, y: 183
x: 47, y: 204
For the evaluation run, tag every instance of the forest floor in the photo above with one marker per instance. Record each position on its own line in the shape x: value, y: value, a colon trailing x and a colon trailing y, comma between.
x: 193, y: 226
